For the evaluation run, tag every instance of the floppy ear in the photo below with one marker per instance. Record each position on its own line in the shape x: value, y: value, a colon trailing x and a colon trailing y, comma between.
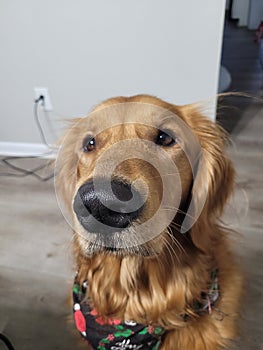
x: 214, y: 178
x: 67, y: 165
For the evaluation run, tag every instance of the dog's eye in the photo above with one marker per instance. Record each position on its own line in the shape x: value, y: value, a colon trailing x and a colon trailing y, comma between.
x: 164, y: 139
x: 88, y: 144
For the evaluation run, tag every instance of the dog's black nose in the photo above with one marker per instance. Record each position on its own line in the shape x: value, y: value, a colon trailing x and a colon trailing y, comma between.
x: 115, y: 204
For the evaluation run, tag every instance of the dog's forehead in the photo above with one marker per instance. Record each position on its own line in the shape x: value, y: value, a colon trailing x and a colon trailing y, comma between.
x: 128, y: 113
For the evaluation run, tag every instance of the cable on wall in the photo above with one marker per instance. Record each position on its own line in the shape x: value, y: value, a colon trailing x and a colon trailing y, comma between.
x: 20, y: 171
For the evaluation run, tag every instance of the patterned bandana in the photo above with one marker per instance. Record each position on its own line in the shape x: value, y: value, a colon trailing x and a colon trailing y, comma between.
x: 113, y: 334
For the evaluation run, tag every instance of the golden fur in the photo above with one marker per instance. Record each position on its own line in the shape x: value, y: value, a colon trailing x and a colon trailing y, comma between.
x: 161, y: 286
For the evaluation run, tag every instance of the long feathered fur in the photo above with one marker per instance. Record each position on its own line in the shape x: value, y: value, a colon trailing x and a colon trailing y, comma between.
x: 161, y: 287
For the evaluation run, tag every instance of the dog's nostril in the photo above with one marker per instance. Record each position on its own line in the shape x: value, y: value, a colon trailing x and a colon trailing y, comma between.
x: 122, y: 191
x: 116, y: 208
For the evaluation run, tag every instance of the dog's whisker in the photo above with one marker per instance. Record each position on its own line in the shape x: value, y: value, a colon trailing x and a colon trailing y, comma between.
x: 175, y: 241
x: 171, y: 250
x: 178, y: 210
x: 178, y: 227
x: 172, y: 235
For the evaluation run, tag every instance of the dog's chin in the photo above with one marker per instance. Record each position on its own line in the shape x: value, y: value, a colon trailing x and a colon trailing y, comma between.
x: 141, y: 251
x: 114, y: 243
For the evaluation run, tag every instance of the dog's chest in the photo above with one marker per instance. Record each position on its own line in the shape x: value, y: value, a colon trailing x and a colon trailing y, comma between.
x: 112, y: 334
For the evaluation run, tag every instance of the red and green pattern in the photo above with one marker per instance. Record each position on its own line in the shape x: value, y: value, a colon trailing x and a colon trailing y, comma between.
x: 117, y: 334
x: 121, y: 331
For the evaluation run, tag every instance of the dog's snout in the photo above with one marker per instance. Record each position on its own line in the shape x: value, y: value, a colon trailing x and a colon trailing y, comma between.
x: 114, y: 204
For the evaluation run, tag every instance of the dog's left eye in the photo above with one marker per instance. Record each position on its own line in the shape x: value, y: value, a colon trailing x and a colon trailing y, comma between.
x: 164, y: 139
x: 88, y: 144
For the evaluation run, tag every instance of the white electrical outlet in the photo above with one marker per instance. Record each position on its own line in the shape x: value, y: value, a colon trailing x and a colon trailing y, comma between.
x: 46, y: 103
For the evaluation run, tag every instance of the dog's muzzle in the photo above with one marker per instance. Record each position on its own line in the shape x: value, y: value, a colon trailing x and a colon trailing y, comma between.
x: 107, y: 207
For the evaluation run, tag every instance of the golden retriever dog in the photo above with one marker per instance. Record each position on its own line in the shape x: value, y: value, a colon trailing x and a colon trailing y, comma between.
x: 145, y: 183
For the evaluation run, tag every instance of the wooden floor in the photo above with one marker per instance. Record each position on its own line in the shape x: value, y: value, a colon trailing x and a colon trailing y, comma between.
x: 240, y: 57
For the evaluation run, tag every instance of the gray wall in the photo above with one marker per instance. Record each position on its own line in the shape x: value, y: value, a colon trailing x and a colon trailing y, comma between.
x: 85, y: 51
x: 255, y: 14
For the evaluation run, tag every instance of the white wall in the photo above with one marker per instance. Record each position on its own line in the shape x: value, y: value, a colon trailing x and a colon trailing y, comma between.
x: 240, y: 9
x: 85, y: 51
x: 248, y: 12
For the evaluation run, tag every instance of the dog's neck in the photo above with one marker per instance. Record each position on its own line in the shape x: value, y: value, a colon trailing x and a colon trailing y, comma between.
x: 143, y: 289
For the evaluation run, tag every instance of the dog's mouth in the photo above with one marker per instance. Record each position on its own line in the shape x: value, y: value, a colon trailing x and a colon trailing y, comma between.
x: 107, y: 208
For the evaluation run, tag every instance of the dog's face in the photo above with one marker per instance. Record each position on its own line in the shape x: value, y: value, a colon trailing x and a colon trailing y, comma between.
x: 134, y: 171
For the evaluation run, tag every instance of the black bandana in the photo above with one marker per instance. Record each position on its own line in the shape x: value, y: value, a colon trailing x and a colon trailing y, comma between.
x: 111, y: 334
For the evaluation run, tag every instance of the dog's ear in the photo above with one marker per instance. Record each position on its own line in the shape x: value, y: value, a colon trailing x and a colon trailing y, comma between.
x: 67, y: 165
x: 213, y: 180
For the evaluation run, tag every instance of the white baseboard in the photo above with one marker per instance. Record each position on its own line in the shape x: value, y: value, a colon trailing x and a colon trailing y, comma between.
x: 22, y: 149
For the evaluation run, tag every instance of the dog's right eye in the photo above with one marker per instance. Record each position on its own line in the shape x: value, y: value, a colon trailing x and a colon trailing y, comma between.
x: 88, y: 144
x: 165, y: 139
